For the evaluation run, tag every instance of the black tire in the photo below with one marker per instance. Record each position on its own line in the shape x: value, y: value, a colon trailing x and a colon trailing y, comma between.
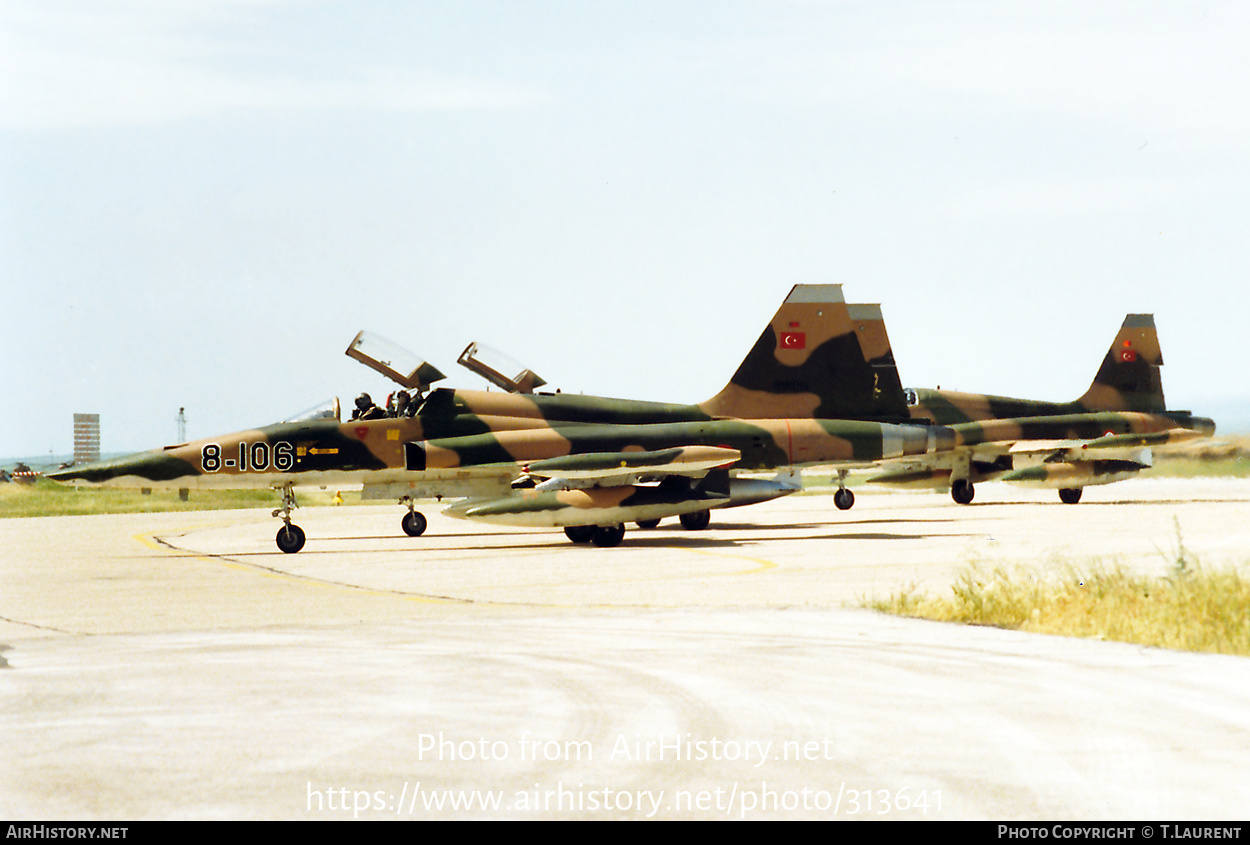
x: 414, y: 523
x: 647, y: 523
x: 844, y: 499
x: 962, y: 491
x: 580, y: 533
x: 290, y: 538
x: 1070, y: 495
x: 696, y: 521
x: 607, y: 536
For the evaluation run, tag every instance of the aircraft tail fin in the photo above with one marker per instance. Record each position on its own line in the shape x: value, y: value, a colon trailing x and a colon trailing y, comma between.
x: 889, y: 397
x: 1129, y: 378
x: 817, y: 358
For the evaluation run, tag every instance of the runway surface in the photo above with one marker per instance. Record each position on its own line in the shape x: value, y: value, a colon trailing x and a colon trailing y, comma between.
x: 180, y: 666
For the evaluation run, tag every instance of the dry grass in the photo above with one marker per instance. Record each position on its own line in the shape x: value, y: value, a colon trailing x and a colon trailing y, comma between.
x: 47, y: 498
x: 1190, y: 608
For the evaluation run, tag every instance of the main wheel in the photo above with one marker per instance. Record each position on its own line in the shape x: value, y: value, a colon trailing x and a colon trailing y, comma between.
x: 647, y: 523
x: 1070, y: 495
x: 607, y: 536
x: 414, y: 523
x: 290, y: 538
x: 844, y: 499
x: 696, y: 521
x: 962, y: 491
x: 579, y: 533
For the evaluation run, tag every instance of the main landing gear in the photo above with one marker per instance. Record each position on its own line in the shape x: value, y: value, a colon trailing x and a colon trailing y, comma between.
x: 962, y: 491
x: 603, y: 536
x: 608, y: 536
x: 290, y: 537
x: 696, y: 520
x: 1070, y: 495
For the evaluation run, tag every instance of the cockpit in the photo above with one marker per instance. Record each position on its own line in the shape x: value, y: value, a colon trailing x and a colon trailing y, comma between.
x: 417, y: 376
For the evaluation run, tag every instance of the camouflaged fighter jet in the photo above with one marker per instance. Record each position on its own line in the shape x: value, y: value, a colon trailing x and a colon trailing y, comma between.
x: 1102, y: 437
x: 805, y: 371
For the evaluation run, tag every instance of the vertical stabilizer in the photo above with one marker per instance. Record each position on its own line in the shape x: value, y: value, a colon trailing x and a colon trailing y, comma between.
x: 889, y: 399
x: 809, y: 363
x: 1129, y: 378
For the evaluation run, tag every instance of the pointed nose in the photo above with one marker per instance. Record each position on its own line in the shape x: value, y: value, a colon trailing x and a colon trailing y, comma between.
x: 142, y: 469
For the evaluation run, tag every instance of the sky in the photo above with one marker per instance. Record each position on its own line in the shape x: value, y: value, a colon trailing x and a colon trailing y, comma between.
x: 202, y: 202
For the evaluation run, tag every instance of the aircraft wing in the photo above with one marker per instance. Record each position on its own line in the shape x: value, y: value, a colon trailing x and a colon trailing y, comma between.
x: 617, y: 468
x: 601, y: 491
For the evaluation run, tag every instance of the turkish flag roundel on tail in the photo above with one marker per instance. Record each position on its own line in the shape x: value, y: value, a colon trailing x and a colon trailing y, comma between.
x: 792, y: 340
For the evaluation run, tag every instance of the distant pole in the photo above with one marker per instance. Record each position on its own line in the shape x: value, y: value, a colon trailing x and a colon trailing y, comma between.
x: 184, y: 493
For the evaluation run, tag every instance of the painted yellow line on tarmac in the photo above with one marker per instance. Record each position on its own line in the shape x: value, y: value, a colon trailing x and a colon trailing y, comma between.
x: 762, y: 565
x: 153, y: 541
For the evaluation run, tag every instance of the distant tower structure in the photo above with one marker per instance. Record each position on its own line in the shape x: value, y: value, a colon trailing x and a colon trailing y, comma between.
x: 86, y: 438
x: 182, y: 425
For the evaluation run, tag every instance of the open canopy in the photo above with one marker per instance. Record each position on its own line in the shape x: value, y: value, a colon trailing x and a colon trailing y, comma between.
x: 394, y: 362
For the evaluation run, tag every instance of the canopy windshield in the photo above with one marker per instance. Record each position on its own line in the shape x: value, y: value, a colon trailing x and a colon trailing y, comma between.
x: 499, y: 369
x: 394, y: 362
x: 327, y: 410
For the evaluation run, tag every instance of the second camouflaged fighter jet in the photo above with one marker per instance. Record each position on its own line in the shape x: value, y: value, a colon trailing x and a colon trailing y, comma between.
x: 1102, y: 437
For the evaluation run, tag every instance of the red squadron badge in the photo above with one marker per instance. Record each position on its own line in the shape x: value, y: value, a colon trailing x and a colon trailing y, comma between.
x: 792, y: 340
x: 362, y: 431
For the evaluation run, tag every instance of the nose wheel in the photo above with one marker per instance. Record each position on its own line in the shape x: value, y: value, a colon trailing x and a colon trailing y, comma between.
x: 290, y: 537
x: 414, y: 522
x: 843, y: 498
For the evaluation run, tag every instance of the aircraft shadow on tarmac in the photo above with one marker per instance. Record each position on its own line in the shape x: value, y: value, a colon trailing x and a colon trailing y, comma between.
x: 655, y: 538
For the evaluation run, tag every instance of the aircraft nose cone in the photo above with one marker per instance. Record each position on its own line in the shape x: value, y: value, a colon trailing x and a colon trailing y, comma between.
x: 143, y: 469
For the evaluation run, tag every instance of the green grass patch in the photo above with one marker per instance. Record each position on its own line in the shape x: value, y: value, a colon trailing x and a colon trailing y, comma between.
x: 1191, y: 608
x: 1167, y: 466
x: 1222, y: 457
x: 47, y: 498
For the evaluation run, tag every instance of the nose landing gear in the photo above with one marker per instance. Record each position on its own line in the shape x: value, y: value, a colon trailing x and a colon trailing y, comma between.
x: 290, y: 537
